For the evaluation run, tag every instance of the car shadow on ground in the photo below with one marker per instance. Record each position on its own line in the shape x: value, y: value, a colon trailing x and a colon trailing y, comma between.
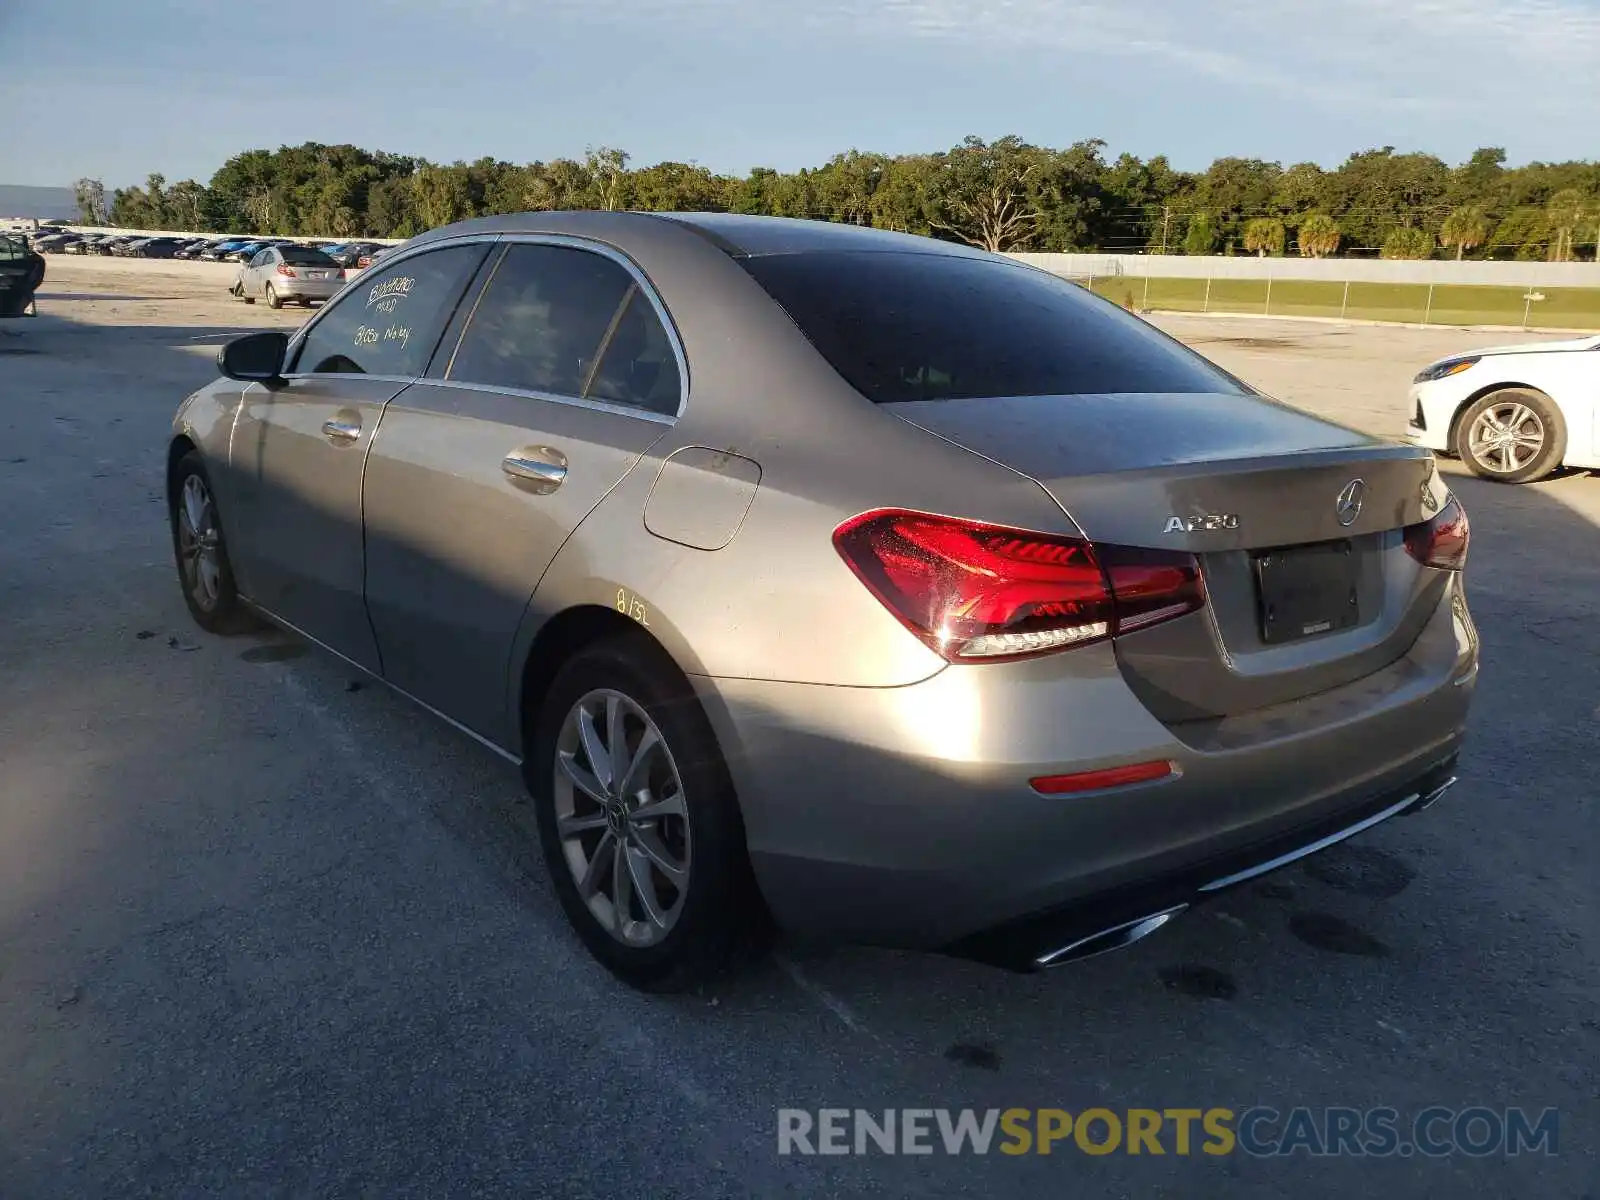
x: 263, y: 921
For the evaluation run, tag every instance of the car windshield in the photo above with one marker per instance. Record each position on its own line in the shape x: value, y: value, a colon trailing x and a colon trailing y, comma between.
x: 305, y: 256
x: 911, y: 326
x: 12, y: 249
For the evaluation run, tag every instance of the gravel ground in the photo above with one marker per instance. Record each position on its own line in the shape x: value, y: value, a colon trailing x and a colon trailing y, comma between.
x: 268, y: 931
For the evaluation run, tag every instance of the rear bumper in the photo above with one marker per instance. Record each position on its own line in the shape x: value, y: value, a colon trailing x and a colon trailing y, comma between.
x: 904, y: 817
x: 1121, y: 916
x: 307, y: 289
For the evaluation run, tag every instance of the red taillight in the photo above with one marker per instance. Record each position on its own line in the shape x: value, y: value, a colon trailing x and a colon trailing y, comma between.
x: 1442, y: 541
x: 979, y: 592
x: 341, y: 272
x: 1151, y: 586
x: 286, y: 269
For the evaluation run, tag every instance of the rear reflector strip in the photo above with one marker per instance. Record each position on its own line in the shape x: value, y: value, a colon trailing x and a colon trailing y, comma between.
x: 1110, y: 777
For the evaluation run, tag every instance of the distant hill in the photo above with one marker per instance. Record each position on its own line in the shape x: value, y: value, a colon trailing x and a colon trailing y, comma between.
x: 43, y: 203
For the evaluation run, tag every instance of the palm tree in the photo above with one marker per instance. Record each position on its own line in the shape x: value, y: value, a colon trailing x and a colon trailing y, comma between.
x: 1567, y: 210
x: 1265, y: 236
x: 1408, y: 242
x: 1465, y: 229
x: 1318, y: 236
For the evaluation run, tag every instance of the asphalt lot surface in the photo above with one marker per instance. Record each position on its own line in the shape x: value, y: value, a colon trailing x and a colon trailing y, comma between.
x: 269, y: 931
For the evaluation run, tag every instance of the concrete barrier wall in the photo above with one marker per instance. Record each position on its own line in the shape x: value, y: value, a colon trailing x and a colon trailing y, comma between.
x: 1215, y: 266
x: 182, y: 233
x: 1330, y: 270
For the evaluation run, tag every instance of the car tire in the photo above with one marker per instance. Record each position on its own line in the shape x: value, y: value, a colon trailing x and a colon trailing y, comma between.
x: 273, y: 299
x: 205, y: 572
x: 691, y: 929
x: 1512, y: 435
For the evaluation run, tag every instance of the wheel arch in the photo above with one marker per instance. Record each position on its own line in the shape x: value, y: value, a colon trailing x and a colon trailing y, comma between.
x: 561, y: 638
x: 1489, y: 390
x: 181, y: 446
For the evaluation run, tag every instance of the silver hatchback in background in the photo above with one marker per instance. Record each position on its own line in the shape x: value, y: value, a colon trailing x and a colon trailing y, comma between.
x: 896, y: 591
x: 288, y: 275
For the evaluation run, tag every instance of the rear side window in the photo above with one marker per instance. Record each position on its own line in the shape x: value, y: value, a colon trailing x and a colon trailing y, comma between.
x: 908, y: 327
x: 389, y: 323
x: 568, y: 322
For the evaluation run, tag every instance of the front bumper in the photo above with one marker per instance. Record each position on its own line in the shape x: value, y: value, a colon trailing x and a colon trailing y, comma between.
x: 903, y: 816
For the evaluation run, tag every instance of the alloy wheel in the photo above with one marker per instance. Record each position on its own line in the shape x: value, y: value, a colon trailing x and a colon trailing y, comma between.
x: 621, y: 817
x: 199, y: 543
x: 1506, y: 437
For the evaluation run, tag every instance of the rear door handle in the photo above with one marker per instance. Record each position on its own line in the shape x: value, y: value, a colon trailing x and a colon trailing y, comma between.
x: 341, y: 431
x: 539, y: 468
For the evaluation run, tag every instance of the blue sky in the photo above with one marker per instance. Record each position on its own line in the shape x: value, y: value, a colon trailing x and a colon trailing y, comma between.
x: 118, y: 88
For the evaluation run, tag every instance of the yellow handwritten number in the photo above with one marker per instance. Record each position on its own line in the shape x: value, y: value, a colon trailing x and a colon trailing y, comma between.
x: 632, y: 606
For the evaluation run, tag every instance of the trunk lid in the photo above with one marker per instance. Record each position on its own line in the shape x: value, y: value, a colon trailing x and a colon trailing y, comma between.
x: 1230, y: 478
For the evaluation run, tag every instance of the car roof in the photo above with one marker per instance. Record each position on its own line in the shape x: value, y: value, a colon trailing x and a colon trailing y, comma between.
x: 736, y: 234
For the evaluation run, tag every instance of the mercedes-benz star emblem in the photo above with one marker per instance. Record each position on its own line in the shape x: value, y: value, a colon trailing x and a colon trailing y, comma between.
x: 1348, y: 506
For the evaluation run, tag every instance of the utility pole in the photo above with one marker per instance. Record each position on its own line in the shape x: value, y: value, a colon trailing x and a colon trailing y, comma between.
x: 1166, y: 220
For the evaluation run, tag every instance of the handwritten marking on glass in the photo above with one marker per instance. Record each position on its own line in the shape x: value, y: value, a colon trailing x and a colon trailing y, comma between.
x: 395, y: 288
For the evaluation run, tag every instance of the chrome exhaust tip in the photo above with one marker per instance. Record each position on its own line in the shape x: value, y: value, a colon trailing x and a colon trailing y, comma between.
x: 1431, y: 798
x: 1115, y: 938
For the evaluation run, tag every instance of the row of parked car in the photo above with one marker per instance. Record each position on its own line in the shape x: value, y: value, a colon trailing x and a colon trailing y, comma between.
x: 349, y: 255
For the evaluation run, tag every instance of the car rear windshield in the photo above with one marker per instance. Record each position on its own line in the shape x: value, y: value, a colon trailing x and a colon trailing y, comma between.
x: 909, y: 327
x: 305, y: 256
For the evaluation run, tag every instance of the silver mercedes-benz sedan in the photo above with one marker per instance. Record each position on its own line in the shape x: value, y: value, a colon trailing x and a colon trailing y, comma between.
x: 839, y: 581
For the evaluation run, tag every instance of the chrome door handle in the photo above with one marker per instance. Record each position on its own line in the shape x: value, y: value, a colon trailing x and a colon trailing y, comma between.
x: 341, y: 431
x: 540, y: 467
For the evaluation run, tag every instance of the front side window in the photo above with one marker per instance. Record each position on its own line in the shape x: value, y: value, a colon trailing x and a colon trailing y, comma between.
x: 389, y: 323
x: 907, y: 327
x: 568, y: 322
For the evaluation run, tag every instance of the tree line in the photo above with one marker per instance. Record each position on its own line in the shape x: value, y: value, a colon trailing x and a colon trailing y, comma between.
x: 1003, y: 195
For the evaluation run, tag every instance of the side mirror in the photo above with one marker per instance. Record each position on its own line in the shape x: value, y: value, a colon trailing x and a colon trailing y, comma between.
x: 255, y: 358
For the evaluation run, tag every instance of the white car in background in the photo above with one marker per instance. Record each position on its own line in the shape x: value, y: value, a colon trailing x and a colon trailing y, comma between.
x: 1512, y: 413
